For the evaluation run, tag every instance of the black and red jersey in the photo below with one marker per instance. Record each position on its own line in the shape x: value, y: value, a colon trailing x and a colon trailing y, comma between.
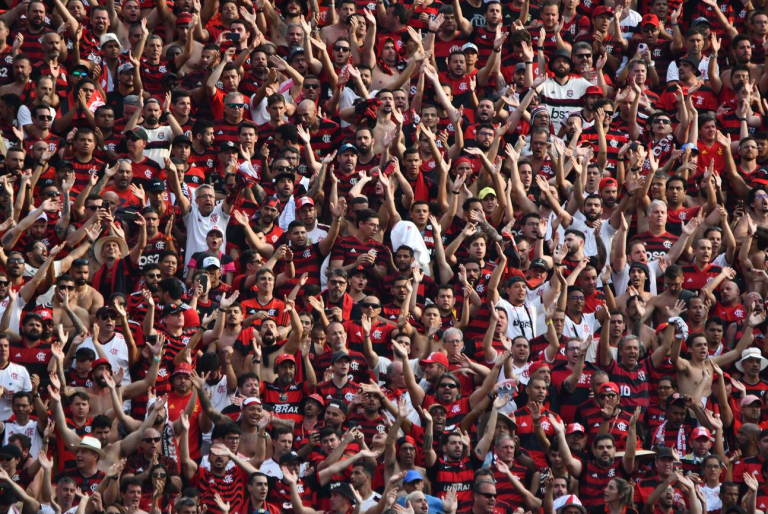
x: 286, y: 401
x: 449, y: 476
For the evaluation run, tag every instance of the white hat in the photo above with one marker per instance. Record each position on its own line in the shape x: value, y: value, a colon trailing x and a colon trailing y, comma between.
x: 211, y: 261
x: 752, y: 353
x: 570, y: 500
x: 92, y: 444
x: 109, y: 36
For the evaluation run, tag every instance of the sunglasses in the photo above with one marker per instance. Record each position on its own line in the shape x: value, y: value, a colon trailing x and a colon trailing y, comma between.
x: 664, y: 122
x: 79, y: 74
x: 105, y: 317
x: 341, y: 48
x: 236, y: 106
x: 583, y: 56
x: 67, y: 288
x: 159, y: 475
x: 152, y: 439
x: 311, y: 86
x: 52, y: 194
x: 15, y: 260
x: 606, y: 396
x: 43, y: 117
x: 488, y: 496
x: 371, y: 305
x: 282, y: 169
x: 154, y: 275
x: 4, y: 283
x: 449, y: 386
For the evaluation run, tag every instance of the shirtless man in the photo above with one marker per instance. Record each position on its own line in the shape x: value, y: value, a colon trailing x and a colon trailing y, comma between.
x: 84, y: 295
x: 101, y: 375
x: 191, y: 50
x: 237, y: 338
x: 22, y: 71
x: 757, y: 213
x: 673, y: 292
x: 66, y: 312
x: 690, y: 373
x: 330, y: 33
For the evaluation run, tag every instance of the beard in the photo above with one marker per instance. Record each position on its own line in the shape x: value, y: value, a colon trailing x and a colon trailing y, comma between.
x: 268, y: 339
x: 47, y: 333
x: 80, y: 281
x: 591, y: 216
x: 30, y: 336
x: 561, y: 74
x: 152, y: 120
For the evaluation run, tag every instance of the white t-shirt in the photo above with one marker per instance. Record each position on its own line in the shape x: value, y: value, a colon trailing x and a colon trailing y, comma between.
x: 13, y: 379
x: 158, y: 153
x: 590, y: 242
x: 24, y: 117
x: 524, y: 320
x: 673, y: 75
x: 198, y: 227
x: 370, y: 502
x: 620, y: 278
x: 30, y: 430
x: 583, y: 331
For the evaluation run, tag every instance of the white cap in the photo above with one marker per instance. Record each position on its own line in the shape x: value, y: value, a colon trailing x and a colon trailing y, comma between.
x: 106, y: 38
x: 211, y: 261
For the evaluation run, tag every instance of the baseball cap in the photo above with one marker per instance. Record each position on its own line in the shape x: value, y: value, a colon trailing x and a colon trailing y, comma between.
x: 676, y: 398
x: 123, y: 68
x: 172, y: 308
x: 296, y: 50
x: 470, y: 46
x: 227, y: 146
x: 608, y: 387
x: 284, y: 357
x: 536, y: 366
x: 10, y: 450
x: 594, y: 90
x: 435, y: 358
x: 485, y: 192
x: 337, y: 404
x: 182, y: 139
x: 183, y: 368
x: 650, y: 19
x: 156, y: 186
x: 211, y: 261
x: 608, y: 181
x: 348, y: 147
x: 289, y: 457
x: 343, y: 489
x: 64, y: 164
x: 337, y: 356
x: 664, y: 453
x: 105, y: 310
x: 100, y: 362
x: 749, y: 399
x: 412, y: 476
x: 304, y: 201
x: 575, y: 427
x: 138, y: 133
x: 539, y: 263
x: 698, y: 432
x: 700, y: 21
x: 316, y: 397
x: 519, y: 67
x: 601, y: 10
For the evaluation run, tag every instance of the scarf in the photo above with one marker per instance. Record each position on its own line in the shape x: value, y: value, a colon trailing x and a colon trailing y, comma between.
x: 681, y: 439
x: 289, y: 213
x: 420, y: 189
x: 119, y: 281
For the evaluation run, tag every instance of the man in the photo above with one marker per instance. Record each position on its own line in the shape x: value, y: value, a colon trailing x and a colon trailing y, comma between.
x: 363, y: 249
x: 14, y: 378
x: 562, y: 94
x: 87, y: 475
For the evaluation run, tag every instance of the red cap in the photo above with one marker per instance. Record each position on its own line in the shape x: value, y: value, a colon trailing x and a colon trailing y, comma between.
x: 661, y: 328
x: 284, y: 357
x: 271, y: 202
x: 183, y: 368
x: 304, y: 201
x: 536, y: 366
x: 608, y: 387
x: 650, y: 19
x: 594, y: 90
x: 435, y: 358
x: 461, y: 160
x: 700, y: 432
x: 317, y: 398
x: 601, y: 10
x: 409, y: 439
x: 183, y: 19
x: 100, y: 362
x: 608, y: 181
x: 575, y: 427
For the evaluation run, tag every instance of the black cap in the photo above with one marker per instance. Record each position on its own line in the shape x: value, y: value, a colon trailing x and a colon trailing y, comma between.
x: 227, y: 146
x: 172, y: 308
x: 85, y: 354
x: 48, y: 182
x: 690, y: 60
x: 64, y: 164
x: 10, y: 450
x: 105, y: 310
x: 664, y: 453
x: 340, y: 404
x: 343, y: 489
x: 337, y: 356
x: 289, y: 457
x: 676, y: 398
x: 285, y: 174
x: 182, y: 139
x: 539, y: 263
x: 138, y: 133
x: 565, y: 54
x: 156, y: 186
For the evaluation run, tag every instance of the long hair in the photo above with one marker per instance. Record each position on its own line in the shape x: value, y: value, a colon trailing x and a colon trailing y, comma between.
x: 626, y: 492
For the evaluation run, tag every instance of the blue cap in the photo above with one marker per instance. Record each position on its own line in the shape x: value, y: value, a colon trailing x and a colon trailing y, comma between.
x: 412, y: 476
x: 347, y: 147
x: 692, y: 146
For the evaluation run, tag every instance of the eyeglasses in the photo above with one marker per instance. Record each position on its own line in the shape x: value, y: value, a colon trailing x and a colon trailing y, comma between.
x: 341, y: 48
x: 607, y: 396
x: 665, y: 388
x: 572, y: 349
x: 67, y: 288
x: 43, y: 117
x: 712, y: 466
x: 236, y: 106
x: 337, y: 282
x: 488, y: 496
x: 454, y: 341
x: 4, y: 283
x: 371, y: 305
x: 105, y: 317
x: 609, y: 113
x: 152, y: 439
x: 749, y: 147
x: 283, y: 169
x: 449, y: 385
x: 159, y: 475
x: 311, y: 86
x: 15, y: 260
x: 93, y: 207
x: 664, y: 122
x: 583, y: 56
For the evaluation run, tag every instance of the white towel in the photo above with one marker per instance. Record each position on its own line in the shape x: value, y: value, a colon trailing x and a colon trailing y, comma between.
x: 407, y: 233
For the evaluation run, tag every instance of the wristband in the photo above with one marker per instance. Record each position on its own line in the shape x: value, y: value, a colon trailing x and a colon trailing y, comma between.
x: 742, y: 119
x: 497, y: 50
x: 528, y: 62
x: 549, y: 322
x: 456, y: 192
x: 432, y: 31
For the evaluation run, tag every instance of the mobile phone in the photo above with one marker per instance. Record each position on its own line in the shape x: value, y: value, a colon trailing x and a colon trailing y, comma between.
x: 232, y: 36
x: 506, y: 388
x: 642, y: 47
x: 152, y: 339
x: 204, y: 282
x: 130, y: 216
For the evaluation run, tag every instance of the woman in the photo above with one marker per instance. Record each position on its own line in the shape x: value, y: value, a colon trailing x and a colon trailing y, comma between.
x: 711, y: 471
x: 619, y: 498
x: 158, y: 488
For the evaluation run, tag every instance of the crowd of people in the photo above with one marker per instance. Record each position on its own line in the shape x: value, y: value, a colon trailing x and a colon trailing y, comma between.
x: 372, y: 257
